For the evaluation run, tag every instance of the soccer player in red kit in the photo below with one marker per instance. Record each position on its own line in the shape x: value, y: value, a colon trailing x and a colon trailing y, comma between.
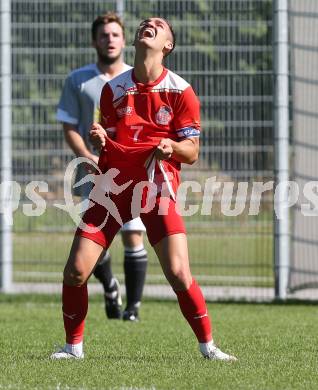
x: 152, y: 125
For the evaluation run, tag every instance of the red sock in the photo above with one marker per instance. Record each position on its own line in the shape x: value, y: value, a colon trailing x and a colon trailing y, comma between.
x: 193, y: 307
x: 75, y: 305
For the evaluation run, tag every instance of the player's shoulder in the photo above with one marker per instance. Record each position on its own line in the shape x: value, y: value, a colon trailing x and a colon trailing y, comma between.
x: 123, y: 80
x: 84, y: 73
x: 122, y: 83
x: 174, y: 83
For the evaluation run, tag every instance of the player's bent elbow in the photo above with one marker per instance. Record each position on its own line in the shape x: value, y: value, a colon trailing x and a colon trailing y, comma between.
x: 192, y: 159
x: 195, y: 153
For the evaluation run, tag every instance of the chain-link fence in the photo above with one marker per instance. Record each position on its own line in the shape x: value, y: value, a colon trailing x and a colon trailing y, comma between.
x: 224, y: 49
x: 304, y: 82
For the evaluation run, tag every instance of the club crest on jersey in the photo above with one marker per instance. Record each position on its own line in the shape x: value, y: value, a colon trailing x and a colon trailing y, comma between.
x: 124, y: 111
x: 163, y: 116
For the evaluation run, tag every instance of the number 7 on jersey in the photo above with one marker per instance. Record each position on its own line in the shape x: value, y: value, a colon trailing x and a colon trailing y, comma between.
x: 137, y: 132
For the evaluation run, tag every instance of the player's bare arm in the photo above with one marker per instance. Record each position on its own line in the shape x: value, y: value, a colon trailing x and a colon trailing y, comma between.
x: 76, y: 142
x: 186, y: 151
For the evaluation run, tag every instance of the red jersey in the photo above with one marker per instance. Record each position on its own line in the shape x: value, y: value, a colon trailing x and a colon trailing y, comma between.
x: 139, y: 116
x: 142, y: 114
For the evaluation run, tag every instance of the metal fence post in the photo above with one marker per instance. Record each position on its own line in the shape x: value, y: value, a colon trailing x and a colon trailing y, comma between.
x: 120, y: 8
x: 5, y: 163
x: 281, y: 128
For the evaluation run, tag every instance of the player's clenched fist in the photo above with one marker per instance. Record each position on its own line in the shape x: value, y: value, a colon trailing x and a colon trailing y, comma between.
x: 97, y: 136
x: 164, y: 149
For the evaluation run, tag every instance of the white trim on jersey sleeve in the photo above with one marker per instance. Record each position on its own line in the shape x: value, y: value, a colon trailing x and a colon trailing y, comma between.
x: 172, y: 82
x: 188, y: 132
x: 63, y: 116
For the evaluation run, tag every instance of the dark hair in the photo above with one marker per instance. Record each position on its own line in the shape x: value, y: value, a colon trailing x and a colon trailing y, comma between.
x: 173, y: 36
x: 109, y: 17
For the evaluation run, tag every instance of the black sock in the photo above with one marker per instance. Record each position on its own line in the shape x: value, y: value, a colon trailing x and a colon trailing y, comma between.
x: 135, y: 266
x: 103, y: 272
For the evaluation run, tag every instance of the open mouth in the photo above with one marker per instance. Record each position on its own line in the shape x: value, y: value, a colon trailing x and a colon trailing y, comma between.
x: 148, y: 32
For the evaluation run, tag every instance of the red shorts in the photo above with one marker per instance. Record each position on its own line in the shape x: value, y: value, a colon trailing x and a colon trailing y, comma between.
x: 123, y: 192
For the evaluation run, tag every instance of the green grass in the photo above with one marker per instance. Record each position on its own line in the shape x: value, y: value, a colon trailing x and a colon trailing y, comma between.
x: 276, y: 346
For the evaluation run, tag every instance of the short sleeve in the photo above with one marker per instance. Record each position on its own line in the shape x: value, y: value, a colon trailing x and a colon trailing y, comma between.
x: 187, y: 115
x: 108, y: 117
x: 68, y: 109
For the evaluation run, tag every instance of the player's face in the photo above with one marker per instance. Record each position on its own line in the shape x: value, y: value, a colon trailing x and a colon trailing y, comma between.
x: 155, y: 34
x: 109, y: 42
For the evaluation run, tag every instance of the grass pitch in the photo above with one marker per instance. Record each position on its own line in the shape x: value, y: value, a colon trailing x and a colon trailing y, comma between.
x: 276, y: 346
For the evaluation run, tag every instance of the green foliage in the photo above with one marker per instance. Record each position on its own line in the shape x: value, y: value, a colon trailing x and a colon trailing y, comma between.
x: 51, y: 39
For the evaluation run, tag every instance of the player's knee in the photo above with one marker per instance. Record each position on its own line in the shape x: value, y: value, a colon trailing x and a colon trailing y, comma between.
x: 74, y: 276
x: 132, y: 239
x: 179, y: 278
